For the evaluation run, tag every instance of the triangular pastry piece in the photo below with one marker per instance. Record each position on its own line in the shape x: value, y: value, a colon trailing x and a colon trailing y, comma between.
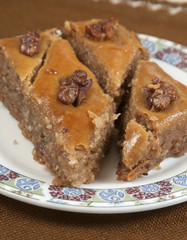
x: 108, y: 49
x: 59, y: 104
x: 154, y: 121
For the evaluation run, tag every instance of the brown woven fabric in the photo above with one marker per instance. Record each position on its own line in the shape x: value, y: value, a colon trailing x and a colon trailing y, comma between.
x: 23, y: 221
x: 19, y: 16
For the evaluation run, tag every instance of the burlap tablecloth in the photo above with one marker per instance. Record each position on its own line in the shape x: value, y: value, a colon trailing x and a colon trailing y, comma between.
x: 23, y: 221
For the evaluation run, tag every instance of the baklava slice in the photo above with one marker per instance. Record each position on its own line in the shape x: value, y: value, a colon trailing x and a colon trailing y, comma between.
x: 59, y: 105
x: 154, y: 121
x: 108, y: 49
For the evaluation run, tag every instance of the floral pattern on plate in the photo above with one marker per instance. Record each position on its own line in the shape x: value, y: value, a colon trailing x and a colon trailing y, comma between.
x: 18, y: 183
x: 154, y: 192
x: 175, y: 54
x: 74, y: 194
x: 6, y: 174
x: 158, y: 191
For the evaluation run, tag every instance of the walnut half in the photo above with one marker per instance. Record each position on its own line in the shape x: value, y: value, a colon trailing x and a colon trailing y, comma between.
x: 29, y: 43
x: 73, y: 90
x: 159, y: 95
x: 101, y: 30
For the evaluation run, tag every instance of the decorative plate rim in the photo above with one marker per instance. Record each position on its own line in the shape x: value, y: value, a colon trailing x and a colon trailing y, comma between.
x: 143, y: 197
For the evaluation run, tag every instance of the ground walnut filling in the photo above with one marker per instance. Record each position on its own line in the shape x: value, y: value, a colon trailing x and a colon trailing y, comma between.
x: 30, y: 43
x: 159, y: 95
x: 73, y: 90
x: 101, y: 30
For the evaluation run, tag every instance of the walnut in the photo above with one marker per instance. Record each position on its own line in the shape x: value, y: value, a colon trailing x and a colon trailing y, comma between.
x: 68, y: 91
x: 80, y: 77
x: 159, y: 95
x: 73, y: 90
x: 101, y: 30
x: 29, y: 43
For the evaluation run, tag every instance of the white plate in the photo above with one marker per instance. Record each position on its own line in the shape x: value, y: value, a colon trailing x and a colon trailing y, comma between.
x: 24, y: 179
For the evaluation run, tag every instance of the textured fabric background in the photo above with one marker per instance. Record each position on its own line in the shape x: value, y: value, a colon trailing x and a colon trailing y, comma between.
x: 22, y: 221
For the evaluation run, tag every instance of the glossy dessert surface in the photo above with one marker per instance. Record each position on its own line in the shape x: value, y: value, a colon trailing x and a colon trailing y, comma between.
x: 155, y: 122
x: 25, y: 65
x: 60, y: 63
x: 123, y: 46
x: 145, y: 72
x: 136, y: 144
x: 56, y: 61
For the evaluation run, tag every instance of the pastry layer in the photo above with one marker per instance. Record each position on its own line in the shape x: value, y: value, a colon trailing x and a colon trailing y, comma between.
x: 111, y: 60
x: 70, y: 141
x: 151, y: 135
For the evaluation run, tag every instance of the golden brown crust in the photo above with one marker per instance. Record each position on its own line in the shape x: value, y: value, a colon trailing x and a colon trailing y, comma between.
x: 111, y: 60
x: 70, y: 141
x: 162, y: 133
x: 74, y: 119
x: 25, y: 65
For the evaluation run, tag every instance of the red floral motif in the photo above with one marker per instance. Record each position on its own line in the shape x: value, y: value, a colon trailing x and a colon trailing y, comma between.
x: 150, y: 195
x: 71, y: 194
x: 3, y: 178
x: 163, y: 188
x: 64, y: 197
x: 139, y: 195
x: 55, y: 188
x: 8, y: 176
x: 89, y: 191
x: 160, y: 193
x: 166, y: 189
x: 164, y: 183
x: 13, y: 175
x: 132, y: 190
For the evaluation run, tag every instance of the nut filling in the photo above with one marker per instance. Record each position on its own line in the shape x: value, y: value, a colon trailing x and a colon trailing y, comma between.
x: 29, y: 43
x: 73, y: 90
x: 101, y: 30
x: 159, y: 95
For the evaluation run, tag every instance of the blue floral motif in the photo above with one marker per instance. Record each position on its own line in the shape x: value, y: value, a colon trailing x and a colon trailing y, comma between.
x: 3, y: 170
x: 172, y: 58
x: 149, y: 45
x: 149, y: 188
x: 72, y: 191
x: 111, y: 195
x: 27, y: 184
x: 180, y: 180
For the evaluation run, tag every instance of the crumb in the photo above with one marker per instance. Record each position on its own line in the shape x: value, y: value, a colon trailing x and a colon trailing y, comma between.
x: 15, y: 142
x: 157, y: 167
